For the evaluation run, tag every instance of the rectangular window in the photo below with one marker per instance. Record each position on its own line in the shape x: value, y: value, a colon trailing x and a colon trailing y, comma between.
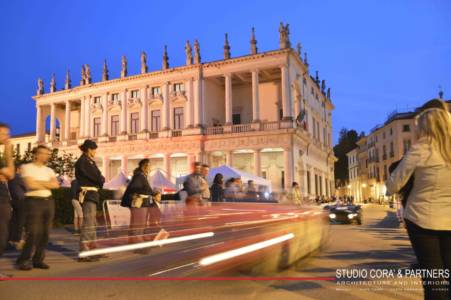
x: 29, y: 147
x: 391, y: 131
x: 97, y: 100
x: 392, y: 150
x: 134, y: 94
x: 385, y: 172
x: 178, y: 118
x: 316, y: 185
x: 280, y: 114
x: 406, y: 128
x: 236, y: 119
x: 115, y: 125
x: 156, y: 91
x: 320, y: 179
x: 406, y: 145
x: 309, y: 189
x: 96, y: 127
x: 326, y: 183
x: 264, y: 174
x: 18, y: 149
x: 155, y: 117
x: 114, y: 97
x: 283, y: 179
x: 134, y: 123
x: 179, y: 87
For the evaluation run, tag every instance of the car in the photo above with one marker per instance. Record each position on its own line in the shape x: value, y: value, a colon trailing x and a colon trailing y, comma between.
x: 342, y: 213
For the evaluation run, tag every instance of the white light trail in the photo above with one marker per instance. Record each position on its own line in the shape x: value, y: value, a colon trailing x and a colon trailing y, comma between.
x: 145, y: 244
x: 244, y: 250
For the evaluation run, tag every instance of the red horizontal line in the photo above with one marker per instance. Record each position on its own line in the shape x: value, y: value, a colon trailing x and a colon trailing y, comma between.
x: 167, y: 278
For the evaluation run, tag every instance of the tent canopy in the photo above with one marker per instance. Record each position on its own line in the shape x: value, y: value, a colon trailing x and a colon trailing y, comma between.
x: 229, y: 172
x: 157, y: 180
x: 117, y: 182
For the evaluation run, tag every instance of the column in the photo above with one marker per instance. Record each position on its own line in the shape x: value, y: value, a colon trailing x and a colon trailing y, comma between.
x: 228, y: 99
x: 229, y: 160
x: 39, y: 124
x: 88, y: 128
x: 81, y: 125
x: 144, y: 109
x: 189, y: 119
x: 67, y: 121
x: 196, y: 105
x: 191, y: 158
x: 105, y: 115
x: 52, y: 122
x: 257, y: 163
x: 106, y: 167
x: 124, y: 106
x: 124, y: 164
x: 289, y: 167
x: 167, y: 165
x: 255, y: 97
x: 286, y: 99
x: 165, y: 116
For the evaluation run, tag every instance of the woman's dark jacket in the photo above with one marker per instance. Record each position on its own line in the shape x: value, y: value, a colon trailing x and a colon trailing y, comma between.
x: 217, y: 192
x: 88, y: 175
x: 138, y: 185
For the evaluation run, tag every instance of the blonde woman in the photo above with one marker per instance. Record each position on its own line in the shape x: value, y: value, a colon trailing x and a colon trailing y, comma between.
x: 428, y: 209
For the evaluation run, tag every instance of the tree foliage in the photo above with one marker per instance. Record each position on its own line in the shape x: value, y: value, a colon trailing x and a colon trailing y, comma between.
x: 346, y: 142
x: 62, y: 164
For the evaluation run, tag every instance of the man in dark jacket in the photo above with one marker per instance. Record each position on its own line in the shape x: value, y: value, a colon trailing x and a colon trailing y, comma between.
x: 90, y: 180
x: 17, y: 190
x: 194, y: 181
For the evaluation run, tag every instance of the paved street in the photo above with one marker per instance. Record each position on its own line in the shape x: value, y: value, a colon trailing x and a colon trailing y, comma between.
x: 377, y: 244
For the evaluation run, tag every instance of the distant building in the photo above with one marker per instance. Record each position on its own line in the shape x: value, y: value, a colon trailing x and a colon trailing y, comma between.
x: 261, y: 113
x: 368, y: 163
x: 21, y: 143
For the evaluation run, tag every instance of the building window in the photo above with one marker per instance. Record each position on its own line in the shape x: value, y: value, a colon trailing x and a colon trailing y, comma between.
x: 316, y: 185
x: 236, y: 119
x: 156, y: 91
x: 134, y: 123
x: 406, y: 145
x: 178, y: 87
x: 115, y: 125
x: 29, y: 147
x: 17, y: 148
x: 391, y: 131
x: 385, y: 172
x: 114, y: 97
x: 155, y: 117
x: 96, y: 127
x: 134, y: 94
x: 406, y: 128
x: 178, y: 118
x: 309, y: 189
x: 280, y: 113
x: 384, y: 152
x: 392, y: 150
x: 283, y: 179
x: 320, y: 179
x: 264, y: 174
x: 97, y: 100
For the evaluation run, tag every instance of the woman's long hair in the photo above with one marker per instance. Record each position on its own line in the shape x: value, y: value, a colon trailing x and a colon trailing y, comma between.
x: 435, y: 125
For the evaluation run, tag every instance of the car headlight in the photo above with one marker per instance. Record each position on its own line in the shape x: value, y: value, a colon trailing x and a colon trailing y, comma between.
x: 332, y: 216
x: 350, y: 216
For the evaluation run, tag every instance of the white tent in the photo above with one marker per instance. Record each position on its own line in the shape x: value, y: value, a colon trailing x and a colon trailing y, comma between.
x: 229, y: 172
x: 157, y: 180
x: 117, y: 182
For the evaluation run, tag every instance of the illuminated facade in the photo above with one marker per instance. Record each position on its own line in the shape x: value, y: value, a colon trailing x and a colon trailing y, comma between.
x: 239, y: 111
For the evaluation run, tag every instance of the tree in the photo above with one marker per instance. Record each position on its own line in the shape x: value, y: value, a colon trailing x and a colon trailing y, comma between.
x: 61, y: 164
x: 346, y: 142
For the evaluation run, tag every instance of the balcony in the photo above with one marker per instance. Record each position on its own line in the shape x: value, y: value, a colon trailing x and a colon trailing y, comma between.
x: 176, y: 133
x: 153, y: 135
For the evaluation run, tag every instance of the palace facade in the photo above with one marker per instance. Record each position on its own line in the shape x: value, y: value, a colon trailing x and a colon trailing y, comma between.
x: 261, y: 113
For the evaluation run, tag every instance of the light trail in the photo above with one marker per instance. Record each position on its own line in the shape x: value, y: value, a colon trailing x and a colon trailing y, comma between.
x: 145, y: 244
x: 244, y: 250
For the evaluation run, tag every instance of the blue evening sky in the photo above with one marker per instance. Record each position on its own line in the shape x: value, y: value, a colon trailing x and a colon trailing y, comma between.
x: 376, y: 55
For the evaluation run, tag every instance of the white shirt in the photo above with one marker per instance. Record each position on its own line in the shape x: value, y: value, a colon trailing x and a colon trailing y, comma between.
x: 40, y: 173
x: 429, y: 202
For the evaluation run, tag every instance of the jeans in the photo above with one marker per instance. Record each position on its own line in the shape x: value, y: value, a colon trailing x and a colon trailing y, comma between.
x: 433, y: 251
x: 17, y: 223
x: 88, y: 230
x: 5, y: 215
x: 39, y: 213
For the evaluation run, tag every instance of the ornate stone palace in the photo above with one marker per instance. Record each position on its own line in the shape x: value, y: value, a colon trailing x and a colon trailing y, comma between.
x: 262, y: 113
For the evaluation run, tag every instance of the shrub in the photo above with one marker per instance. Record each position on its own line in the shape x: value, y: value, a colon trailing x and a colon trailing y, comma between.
x: 64, y: 212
